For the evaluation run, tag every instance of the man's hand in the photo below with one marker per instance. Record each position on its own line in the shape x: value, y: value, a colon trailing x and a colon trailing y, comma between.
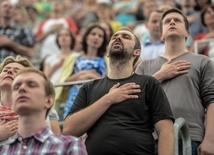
x: 170, y: 70
x: 119, y: 93
x: 8, y: 129
x: 206, y: 148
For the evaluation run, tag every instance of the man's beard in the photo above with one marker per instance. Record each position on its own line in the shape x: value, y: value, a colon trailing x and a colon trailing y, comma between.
x: 119, y: 55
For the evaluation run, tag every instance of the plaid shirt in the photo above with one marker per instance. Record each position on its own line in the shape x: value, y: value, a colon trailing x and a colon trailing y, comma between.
x: 20, y: 35
x: 43, y: 142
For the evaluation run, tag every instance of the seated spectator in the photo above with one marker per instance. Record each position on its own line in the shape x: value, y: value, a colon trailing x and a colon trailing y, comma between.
x: 193, y: 17
x: 52, y: 66
x: 207, y: 15
x: 105, y: 13
x: 46, y: 33
x: 90, y: 65
x: 8, y: 69
x: 33, y: 97
x: 153, y: 46
x: 140, y: 29
x: 85, y: 14
x: 14, y: 40
x: 125, y: 11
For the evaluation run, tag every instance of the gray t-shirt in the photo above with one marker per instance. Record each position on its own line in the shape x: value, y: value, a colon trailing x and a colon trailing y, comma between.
x: 188, y: 94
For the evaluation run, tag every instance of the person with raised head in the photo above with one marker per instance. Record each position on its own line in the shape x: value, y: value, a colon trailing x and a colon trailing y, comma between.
x: 120, y: 111
x: 90, y: 64
x: 187, y: 80
x: 33, y: 97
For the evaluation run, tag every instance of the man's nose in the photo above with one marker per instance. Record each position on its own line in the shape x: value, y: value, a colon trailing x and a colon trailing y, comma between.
x: 22, y: 88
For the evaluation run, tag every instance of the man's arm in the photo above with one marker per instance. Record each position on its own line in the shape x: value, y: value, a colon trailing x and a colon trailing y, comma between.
x: 166, y: 139
x: 80, y: 122
x: 17, y: 48
x: 207, y: 144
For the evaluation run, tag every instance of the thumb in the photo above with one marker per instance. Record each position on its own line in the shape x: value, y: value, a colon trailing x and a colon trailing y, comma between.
x: 116, y: 85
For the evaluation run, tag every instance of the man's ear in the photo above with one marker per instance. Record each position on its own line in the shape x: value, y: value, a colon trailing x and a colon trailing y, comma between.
x: 50, y: 101
x: 137, y: 52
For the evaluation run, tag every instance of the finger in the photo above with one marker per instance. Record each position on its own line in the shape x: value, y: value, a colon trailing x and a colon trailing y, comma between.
x: 132, y: 91
x: 116, y: 85
x: 180, y: 68
x: 168, y: 62
x: 180, y: 62
x: 130, y: 85
x: 182, y: 72
x: 132, y: 96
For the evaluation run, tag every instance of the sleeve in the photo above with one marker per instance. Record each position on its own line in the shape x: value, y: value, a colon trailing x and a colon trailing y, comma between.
x: 139, y: 70
x: 80, y: 101
x: 207, y: 82
x: 39, y: 30
x: 72, y: 25
x: 159, y: 104
x: 26, y: 37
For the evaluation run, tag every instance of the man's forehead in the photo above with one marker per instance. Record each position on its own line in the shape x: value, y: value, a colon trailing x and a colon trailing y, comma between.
x: 123, y: 32
x: 173, y: 15
x: 28, y: 76
x: 5, y: 3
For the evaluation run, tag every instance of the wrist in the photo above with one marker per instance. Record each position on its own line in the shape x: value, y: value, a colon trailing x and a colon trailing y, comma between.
x: 158, y: 75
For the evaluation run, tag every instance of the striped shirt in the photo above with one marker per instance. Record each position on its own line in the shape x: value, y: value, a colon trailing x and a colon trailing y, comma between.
x: 43, y: 142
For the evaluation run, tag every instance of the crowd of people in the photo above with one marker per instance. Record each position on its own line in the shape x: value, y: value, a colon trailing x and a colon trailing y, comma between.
x: 143, y: 63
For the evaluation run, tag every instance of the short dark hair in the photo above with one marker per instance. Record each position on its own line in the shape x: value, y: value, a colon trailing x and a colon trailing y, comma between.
x: 174, y: 10
x: 73, y: 39
x: 204, y: 10
x: 102, y: 50
x: 157, y: 11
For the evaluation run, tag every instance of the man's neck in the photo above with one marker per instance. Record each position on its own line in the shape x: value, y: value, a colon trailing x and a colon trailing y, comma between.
x: 120, y: 71
x: 174, y: 48
x: 29, y: 125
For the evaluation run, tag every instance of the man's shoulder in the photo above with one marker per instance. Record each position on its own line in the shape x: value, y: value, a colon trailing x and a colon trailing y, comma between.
x: 63, y: 139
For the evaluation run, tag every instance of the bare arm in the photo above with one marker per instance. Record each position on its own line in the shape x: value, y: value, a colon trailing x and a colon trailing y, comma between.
x: 17, y: 48
x: 42, y: 36
x: 207, y: 144
x: 170, y: 70
x: 55, y: 126
x: 166, y: 140
x: 80, y: 122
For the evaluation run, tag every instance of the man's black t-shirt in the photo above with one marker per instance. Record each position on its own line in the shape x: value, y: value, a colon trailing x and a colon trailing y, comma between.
x: 125, y: 128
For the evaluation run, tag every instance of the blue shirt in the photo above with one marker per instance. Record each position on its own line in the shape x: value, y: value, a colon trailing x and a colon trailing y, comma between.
x: 151, y: 50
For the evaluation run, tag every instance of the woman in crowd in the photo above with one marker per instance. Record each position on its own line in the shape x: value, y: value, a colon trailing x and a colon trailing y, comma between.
x: 207, y: 19
x: 91, y: 64
x: 52, y: 67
